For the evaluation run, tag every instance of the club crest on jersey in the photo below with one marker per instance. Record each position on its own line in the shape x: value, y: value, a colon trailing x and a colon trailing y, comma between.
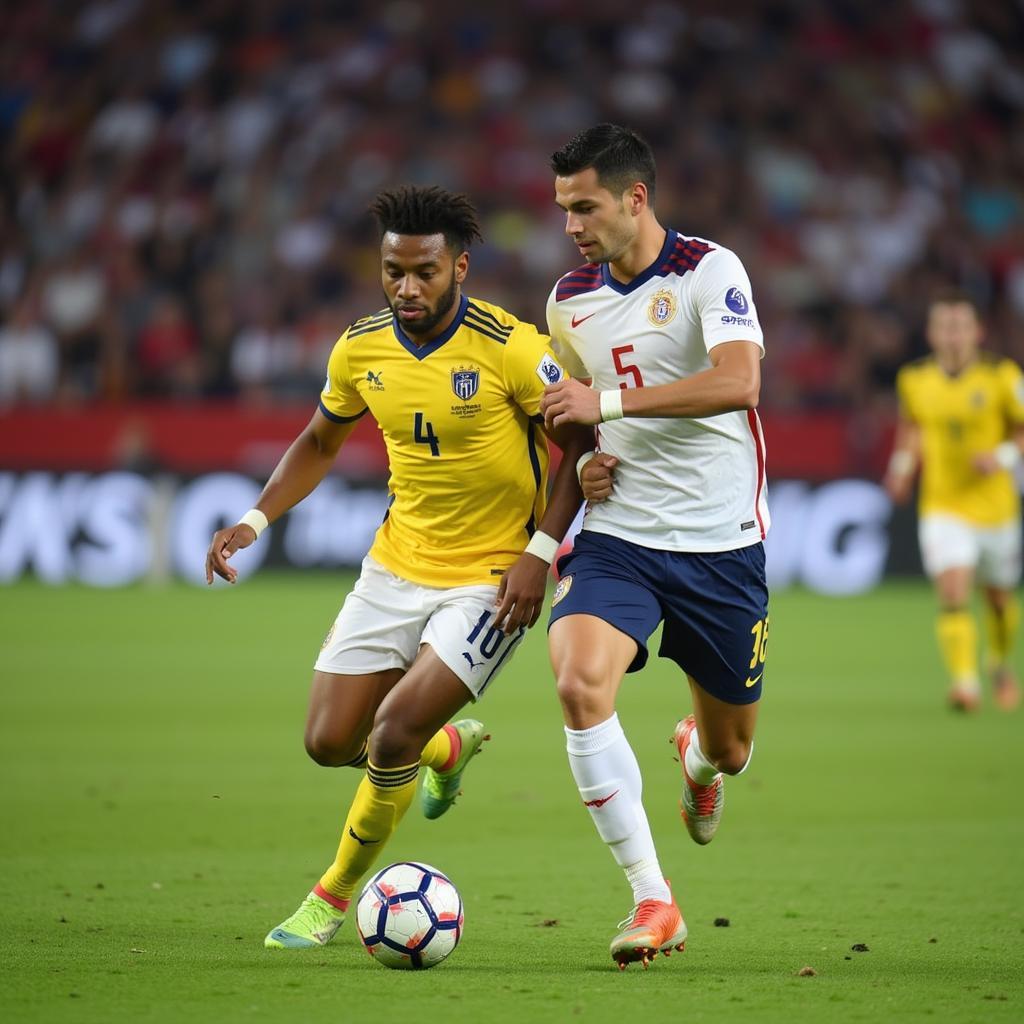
x: 662, y: 307
x: 548, y: 370
x: 564, y: 584
x: 465, y: 382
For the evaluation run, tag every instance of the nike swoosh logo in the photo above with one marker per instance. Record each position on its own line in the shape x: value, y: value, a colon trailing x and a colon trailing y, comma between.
x: 600, y: 801
x: 361, y: 841
x: 576, y: 322
x: 754, y: 681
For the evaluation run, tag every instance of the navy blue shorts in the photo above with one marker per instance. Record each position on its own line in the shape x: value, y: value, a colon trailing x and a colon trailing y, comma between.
x: 714, y: 605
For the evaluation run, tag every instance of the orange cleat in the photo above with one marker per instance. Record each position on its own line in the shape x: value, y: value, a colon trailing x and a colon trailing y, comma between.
x: 965, y: 698
x: 1005, y: 690
x: 700, y: 806
x: 652, y: 928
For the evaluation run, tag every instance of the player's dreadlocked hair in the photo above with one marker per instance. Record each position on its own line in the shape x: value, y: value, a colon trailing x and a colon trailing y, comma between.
x: 428, y: 210
x: 618, y: 155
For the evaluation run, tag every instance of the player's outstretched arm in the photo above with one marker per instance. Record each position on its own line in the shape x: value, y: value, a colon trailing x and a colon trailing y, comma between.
x: 906, y: 454
x: 732, y: 382
x: 521, y: 591
x: 302, y: 467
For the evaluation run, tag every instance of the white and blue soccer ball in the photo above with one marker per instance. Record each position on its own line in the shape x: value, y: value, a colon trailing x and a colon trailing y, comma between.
x: 409, y: 916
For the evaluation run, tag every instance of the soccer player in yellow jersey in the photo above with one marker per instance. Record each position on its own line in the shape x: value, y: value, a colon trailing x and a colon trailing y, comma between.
x: 962, y: 421
x: 457, y: 571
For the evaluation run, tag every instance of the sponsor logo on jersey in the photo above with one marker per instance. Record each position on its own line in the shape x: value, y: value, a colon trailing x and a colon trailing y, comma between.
x: 374, y: 380
x: 662, y: 308
x: 562, y: 589
x: 548, y: 370
x: 576, y: 322
x: 736, y: 301
x: 739, y: 321
x: 465, y: 382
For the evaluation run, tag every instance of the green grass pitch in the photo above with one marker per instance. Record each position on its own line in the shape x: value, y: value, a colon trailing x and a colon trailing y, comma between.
x: 159, y: 816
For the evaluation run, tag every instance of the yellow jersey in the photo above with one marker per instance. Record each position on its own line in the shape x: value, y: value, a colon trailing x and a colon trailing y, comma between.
x: 962, y: 416
x: 459, y: 415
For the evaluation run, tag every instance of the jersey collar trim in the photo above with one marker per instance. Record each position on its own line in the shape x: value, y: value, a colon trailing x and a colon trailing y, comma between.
x: 644, y: 276
x: 422, y: 351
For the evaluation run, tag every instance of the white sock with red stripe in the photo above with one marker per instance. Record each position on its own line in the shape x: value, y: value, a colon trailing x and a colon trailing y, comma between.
x: 608, y: 776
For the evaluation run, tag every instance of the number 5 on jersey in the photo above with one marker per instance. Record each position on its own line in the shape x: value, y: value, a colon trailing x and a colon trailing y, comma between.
x: 427, y: 437
x: 626, y: 369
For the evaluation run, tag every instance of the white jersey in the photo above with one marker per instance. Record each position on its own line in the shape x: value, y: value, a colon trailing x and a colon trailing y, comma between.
x: 681, y: 484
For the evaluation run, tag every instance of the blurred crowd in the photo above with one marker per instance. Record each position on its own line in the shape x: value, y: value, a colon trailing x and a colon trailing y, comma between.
x: 184, y: 184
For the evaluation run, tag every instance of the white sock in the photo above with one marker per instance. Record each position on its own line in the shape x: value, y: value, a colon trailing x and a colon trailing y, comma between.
x: 608, y: 776
x: 698, y: 767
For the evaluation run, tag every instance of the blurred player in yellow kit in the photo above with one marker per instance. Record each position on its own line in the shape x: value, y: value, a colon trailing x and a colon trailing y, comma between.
x: 962, y: 422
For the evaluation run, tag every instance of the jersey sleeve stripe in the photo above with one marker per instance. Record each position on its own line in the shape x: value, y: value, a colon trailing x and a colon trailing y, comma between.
x: 487, y: 332
x: 584, y: 279
x: 335, y: 418
x: 486, y: 317
x: 369, y: 326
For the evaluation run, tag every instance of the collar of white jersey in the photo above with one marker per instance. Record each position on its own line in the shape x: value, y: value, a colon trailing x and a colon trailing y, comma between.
x: 645, y: 275
x: 422, y: 351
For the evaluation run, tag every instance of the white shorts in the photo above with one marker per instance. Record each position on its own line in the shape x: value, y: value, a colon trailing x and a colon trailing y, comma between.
x: 385, y: 619
x: 994, y: 552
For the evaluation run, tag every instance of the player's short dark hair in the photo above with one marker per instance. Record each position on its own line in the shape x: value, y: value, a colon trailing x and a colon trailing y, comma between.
x: 618, y: 155
x: 428, y: 210
x: 954, y: 297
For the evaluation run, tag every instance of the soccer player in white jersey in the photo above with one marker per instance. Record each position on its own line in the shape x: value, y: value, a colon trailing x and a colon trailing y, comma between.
x: 665, y: 329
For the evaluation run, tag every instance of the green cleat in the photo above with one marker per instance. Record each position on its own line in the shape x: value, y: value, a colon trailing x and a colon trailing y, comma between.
x: 314, y: 924
x: 440, y: 789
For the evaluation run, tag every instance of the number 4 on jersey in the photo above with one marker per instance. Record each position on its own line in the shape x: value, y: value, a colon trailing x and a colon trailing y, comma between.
x: 426, y: 438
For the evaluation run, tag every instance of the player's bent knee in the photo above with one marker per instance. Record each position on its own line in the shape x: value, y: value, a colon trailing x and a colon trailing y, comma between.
x: 332, y: 751
x: 581, y: 694
x: 729, y: 758
x: 392, y: 743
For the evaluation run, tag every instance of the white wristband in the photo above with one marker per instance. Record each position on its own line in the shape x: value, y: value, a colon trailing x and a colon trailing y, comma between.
x: 544, y: 546
x: 1007, y: 454
x: 255, y: 520
x: 901, y: 463
x: 611, y: 405
x: 581, y: 462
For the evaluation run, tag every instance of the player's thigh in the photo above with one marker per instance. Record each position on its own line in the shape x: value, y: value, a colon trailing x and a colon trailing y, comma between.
x: 426, y: 697
x: 999, y: 561
x: 949, y: 553
x: 341, y: 712
x: 460, y: 632
x: 603, y: 610
x: 717, y: 622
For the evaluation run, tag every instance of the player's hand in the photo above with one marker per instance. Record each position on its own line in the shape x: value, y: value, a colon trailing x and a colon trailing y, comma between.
x: 224, y: 544
x: 569, y: 401
x: 521, y: 593
x: 597, y: 477
x: 986, y: 463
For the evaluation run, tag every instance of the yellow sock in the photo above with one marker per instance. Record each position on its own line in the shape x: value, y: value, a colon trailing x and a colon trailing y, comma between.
x: 442, y: 749
x: 958, y: 642
x: 1002, y: 631
x: 380, y: 802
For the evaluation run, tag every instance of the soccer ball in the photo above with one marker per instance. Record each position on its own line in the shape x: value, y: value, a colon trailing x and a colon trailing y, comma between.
x: 409, y: 916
